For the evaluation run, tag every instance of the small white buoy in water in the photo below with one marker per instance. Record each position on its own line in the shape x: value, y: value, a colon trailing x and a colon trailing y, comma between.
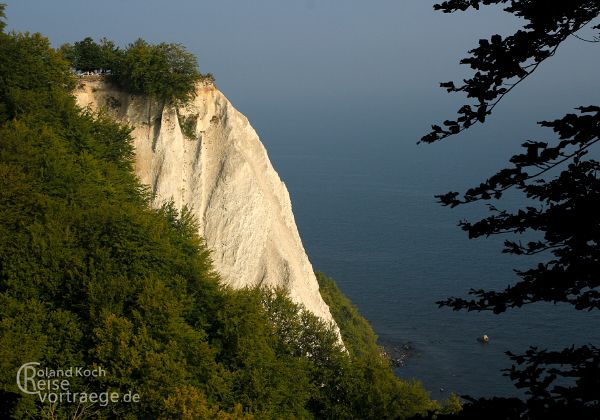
x: 483, y: 339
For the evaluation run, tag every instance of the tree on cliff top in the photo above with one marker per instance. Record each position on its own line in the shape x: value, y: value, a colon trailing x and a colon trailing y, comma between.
x: 2, y: 16
x: 87, y: 55
x: 560, y: 384
x: 165, y: 71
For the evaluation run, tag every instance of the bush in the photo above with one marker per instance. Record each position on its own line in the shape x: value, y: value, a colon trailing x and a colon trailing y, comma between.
x: 188, y: 125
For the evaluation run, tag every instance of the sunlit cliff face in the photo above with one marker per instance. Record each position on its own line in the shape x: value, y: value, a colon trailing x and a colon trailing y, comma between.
x: 206, y: 156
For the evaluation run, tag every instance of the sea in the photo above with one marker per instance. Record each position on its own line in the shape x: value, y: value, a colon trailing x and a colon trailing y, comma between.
x: 363, y: 195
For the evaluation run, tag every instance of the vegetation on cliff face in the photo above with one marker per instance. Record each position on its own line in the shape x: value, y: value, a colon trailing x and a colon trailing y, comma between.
x: 165, y: 71
x: 366, y: 355
x: 91, y: 276
x: 358, y: 335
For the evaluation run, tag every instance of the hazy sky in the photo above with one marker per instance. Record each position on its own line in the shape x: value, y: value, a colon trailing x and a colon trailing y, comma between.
x: 332, y: 72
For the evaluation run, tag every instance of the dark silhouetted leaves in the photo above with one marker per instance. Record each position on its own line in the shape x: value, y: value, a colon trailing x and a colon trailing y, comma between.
x: 561, y: 186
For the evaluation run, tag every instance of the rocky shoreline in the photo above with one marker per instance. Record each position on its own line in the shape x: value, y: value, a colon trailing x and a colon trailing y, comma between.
x: 397, y: 353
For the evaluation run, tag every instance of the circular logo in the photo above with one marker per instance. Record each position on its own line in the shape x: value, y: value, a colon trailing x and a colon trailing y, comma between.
x: 26, y: 378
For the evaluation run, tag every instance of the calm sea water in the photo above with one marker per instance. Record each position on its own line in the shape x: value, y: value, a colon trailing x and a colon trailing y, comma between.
x: 363, y: 198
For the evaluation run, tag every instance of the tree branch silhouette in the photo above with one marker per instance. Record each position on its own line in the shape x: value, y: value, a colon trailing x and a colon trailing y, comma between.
x: 561, y: 189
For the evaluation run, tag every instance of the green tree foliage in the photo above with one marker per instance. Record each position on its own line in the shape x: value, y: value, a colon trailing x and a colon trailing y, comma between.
x: 358, y: 335
x: 390, y: 397
x: 563, y: 181
x: 20, y: 92
x: 91, y: 276
x: 87, y: 55
x: 165, y: 71
x: 2, y: 16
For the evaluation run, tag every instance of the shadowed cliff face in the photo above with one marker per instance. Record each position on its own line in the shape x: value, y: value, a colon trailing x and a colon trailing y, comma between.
x: 207, y: 156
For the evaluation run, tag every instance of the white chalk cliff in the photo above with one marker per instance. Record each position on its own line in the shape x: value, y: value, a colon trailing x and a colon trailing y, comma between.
x: 224, y: 175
